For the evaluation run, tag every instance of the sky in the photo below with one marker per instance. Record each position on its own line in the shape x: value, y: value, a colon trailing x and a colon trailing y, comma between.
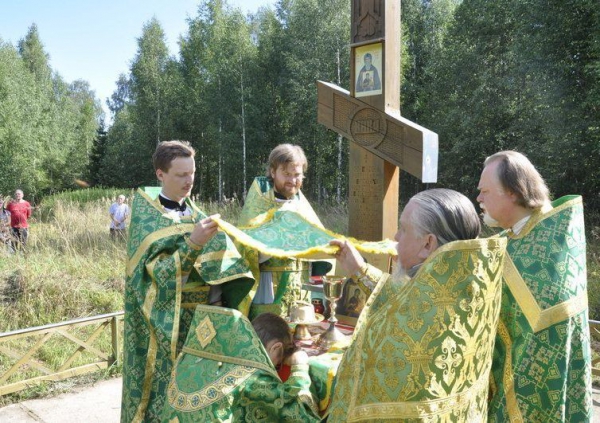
x: 97, y: 40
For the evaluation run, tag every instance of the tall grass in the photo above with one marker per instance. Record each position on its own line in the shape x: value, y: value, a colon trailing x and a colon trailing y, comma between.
x: 71, y: 269
x: 78, y: 198
x: 333, y: 216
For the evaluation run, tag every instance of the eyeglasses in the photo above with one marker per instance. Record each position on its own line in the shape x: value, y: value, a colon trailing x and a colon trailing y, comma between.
x: 288, y: 175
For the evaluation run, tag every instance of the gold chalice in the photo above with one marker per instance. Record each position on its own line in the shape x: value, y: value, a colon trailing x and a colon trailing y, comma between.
x: 332, y: 290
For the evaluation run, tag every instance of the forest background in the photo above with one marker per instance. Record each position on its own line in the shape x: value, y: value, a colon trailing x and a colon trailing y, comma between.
x: 486, y: 75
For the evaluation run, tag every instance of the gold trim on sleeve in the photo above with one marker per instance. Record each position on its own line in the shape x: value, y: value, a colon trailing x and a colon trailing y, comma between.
x: 207, y: 395
x: 153, y: 237
x: 192, y: 244
x: 537, y: 318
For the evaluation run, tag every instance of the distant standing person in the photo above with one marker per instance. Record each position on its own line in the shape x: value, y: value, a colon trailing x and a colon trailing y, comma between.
x: 20, y: 211
x: 5, y: 226
x: 119, y: 211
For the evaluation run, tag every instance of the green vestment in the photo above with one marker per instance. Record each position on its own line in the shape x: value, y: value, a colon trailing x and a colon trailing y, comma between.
x: 224, y: 374
x: 541, y: 369
x: 159, y: 306
x: 422, y: 348
x: 288, y: 273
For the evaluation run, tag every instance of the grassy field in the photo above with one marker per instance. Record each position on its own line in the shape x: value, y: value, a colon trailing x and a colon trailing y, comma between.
x: 73, y: 269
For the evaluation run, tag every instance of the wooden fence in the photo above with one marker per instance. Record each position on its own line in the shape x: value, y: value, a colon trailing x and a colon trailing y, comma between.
x: 58, y: 351
x: 30, y: 359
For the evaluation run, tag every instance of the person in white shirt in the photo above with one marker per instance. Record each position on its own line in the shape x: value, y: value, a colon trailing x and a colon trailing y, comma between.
x: 119, y: 211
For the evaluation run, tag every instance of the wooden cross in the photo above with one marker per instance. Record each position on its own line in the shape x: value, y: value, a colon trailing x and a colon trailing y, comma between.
x: 369, y: 115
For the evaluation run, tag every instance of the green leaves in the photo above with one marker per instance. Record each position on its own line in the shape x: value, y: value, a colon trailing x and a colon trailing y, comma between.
x: 46, y: 126
x: 484, y: 74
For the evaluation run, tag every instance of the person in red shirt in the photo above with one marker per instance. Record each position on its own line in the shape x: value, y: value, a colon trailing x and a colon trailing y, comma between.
x: 20, y: 211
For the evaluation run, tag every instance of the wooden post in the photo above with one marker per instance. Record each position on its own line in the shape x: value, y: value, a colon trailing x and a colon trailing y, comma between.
x: 369, y: 115
x: 374, y: 184
x: 115, y: 340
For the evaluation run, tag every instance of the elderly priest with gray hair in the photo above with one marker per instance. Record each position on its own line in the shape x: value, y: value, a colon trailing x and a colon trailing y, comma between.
x: 422, y: 347
x: 541, y: 371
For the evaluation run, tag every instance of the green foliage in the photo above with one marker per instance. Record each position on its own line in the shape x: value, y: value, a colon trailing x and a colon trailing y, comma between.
x: 592, y: 222
x: 516, y: 75
x: 35, y: 57
x: 318, y: 54
x: 19, y: 144
x: 485, y: 75
x: 46, y: 125
x: 218, y: 61
x: 233, y: 95
x: 71, y: 252
x: 79, y: 198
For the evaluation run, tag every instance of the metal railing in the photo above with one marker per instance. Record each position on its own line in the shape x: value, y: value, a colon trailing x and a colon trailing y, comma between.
x: 86, y: 345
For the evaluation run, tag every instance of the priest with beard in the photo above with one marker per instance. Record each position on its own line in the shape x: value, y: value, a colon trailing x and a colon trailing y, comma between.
x: 422, y: 347
x: 279, y: 280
